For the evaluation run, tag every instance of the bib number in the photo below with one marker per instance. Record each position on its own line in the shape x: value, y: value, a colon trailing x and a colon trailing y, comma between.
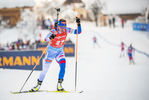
x: 59, y: 42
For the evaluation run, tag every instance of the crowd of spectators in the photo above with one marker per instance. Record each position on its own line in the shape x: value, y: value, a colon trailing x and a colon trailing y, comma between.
x: 18, y: 45
x: 46, y: 23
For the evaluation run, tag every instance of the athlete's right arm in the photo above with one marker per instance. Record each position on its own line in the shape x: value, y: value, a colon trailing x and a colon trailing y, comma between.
x: 50, y: 36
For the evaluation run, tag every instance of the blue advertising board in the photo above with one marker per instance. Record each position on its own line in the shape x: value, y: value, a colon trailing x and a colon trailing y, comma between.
x: 141, y: 26
x: 69, y: 49
x: 25, y: 60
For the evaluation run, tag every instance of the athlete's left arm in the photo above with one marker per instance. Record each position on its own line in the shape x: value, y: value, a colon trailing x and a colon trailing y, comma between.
x: 133, y: 50
x: 74, y: 31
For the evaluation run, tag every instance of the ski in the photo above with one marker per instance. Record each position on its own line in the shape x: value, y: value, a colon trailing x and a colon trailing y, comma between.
x: 61, y: 91
x: 65, y: 91
x: 20, y: 92
x: 46, y: 91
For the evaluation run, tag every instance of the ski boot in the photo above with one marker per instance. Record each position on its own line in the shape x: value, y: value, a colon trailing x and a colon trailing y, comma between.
x: 37, y: 87
x: 133, y: 62
x: 59, y: 85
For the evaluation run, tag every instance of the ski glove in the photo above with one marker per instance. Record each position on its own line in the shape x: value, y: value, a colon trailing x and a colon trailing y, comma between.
x: 77, y: 20
x: 52, y: 36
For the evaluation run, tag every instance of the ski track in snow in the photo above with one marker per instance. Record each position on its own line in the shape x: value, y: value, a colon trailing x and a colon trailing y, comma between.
x: 102, y: 75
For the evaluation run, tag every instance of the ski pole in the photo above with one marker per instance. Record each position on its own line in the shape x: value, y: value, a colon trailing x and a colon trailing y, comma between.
x: 35, y: 66
x: 76, y: 58
x: 58, y: 10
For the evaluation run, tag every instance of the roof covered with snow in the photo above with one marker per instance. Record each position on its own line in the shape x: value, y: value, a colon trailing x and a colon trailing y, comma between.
x: 124, y: 6
x: 16, y: 3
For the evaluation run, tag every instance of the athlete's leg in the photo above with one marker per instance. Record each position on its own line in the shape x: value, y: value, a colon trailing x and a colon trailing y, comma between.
x: 62, y: 63
x: 46, y: 63
x: 60, y: 58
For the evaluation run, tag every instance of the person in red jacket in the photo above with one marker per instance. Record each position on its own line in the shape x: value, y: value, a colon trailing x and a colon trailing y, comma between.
x: 122, y: 20
x: 57, y: 38
x: 122, y: 49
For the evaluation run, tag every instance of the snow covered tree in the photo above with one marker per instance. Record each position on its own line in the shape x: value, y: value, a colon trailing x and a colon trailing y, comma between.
x: 95, y: 6
x: 47, y: 8
x: 144, y: 18
x: 28, y: 25
x: 4, y: 23
x: 147, y: 14
x: 68, y: 13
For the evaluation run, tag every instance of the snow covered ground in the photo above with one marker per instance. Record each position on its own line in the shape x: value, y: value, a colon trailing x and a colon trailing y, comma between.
x: 102, y: 75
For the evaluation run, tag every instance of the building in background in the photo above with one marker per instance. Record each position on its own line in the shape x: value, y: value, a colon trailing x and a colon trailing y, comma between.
x: 79, y: 7
x: 127, y: 9
x: 10, y: 10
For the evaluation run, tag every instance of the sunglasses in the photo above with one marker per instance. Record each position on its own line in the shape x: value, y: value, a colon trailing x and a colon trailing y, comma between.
x: 62, y: 27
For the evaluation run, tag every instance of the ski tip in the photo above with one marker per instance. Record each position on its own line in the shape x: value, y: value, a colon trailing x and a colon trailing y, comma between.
x: 15, y: 92
x: 19, y: 92
x: 81, y: 91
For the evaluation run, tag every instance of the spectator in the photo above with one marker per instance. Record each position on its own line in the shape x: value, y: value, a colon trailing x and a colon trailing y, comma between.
x: 1, y: 48
x: 113, y: 20
x: 32, y: 46
x: 17, y: 44
x: 12, y: 47
x: 47, y: 23
x: 6, y: 47
x: 109, y: 22
x: 24, y: 46
x: 68, y: 41
x: 43, y: 25
x: 122, y: 20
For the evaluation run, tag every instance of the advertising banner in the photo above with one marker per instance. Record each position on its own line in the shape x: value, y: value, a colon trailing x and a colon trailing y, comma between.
x: 140, y: 26
x: 69, y: 49
x: 25, y: 60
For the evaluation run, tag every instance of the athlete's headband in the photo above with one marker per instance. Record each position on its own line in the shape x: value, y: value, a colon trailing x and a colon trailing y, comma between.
x: 61, y: 23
